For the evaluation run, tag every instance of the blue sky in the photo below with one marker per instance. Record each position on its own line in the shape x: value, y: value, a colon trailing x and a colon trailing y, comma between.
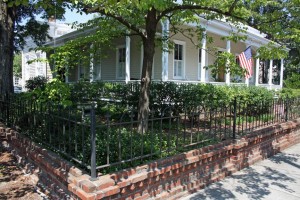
x: 72, y: 16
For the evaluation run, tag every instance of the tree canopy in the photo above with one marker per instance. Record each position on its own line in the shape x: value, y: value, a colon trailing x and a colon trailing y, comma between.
x: 18, y: 22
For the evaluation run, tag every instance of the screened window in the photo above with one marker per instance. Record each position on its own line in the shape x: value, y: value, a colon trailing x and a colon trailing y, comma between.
x: 121, y: 62
x: 178, y: 61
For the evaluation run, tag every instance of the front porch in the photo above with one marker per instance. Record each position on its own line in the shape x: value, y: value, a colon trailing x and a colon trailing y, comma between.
x: 186, y: 62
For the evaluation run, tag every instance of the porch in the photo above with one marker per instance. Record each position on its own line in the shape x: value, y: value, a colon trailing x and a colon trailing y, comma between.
x: 186, y: 62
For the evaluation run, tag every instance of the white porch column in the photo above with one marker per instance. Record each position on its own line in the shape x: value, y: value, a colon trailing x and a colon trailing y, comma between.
x: 227, y: 75
x: 127, y: 64
x: 165, y: 51
x: 257, y: 70
x: 203, y: 59
x: 281, y: 73
x: 270, y: 73
x: 91, y: 65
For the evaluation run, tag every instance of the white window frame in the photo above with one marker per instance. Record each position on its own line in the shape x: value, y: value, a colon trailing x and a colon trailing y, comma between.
x: 117, y: 63
x: 178, y: 42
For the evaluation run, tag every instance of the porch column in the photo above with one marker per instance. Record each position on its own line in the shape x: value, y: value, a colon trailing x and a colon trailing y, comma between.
x: 203, y: 59
x: 127, y: 64
x: 270, y: 74
x: 165, y: 50
x: 281, y: 73
x: 91, y: 65
x: 227, y: 75
x: 257, y: 70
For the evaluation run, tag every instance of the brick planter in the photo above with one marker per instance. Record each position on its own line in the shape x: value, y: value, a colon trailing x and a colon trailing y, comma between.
x: 170, y: 178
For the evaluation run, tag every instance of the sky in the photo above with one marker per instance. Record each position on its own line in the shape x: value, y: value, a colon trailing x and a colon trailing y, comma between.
x: 72, y: 16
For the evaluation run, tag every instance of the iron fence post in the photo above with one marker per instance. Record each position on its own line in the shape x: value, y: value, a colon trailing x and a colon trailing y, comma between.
x: 286, y: 117
x: 93, y: 143
x: 234, y: 119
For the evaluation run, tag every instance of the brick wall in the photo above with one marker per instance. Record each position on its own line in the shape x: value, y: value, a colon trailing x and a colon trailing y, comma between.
x: 51, y: 170
x: 169, y: 178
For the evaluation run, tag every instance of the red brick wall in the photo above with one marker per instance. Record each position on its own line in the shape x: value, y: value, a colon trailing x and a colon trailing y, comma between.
x: 52, y: 171
x: 172, y: 177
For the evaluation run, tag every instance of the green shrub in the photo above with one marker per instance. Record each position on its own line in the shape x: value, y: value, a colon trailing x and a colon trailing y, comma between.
x: 36, y: 82
x: 55, y: 91
x: 117, y: 98
x: 288, y: 93
x: 293, y: 81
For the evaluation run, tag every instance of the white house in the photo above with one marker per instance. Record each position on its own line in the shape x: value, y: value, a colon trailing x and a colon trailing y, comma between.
x: 42, y: 68
x: 184, y: 63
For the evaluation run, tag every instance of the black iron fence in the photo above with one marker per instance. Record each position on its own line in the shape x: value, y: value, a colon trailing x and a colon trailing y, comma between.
x: 113, y: 141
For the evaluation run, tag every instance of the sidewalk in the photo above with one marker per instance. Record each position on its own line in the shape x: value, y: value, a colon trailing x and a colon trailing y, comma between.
x: 277, y: 178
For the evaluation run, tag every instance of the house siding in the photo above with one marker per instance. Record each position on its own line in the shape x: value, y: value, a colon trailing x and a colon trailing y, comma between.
x: 157, y: 64
x: 109, y: 62
x: 135, y: 57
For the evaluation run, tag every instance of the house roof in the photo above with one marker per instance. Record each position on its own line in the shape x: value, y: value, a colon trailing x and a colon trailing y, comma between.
x: 254, y: 37
x: 221, y: 27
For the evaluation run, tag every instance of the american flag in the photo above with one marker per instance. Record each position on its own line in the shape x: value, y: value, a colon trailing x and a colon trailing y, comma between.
x: 245, y: 59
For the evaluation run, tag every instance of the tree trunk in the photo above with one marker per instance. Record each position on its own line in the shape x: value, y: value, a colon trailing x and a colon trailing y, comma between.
x: 7, y: 20
x: 149, y: 49
x: 143, y: 113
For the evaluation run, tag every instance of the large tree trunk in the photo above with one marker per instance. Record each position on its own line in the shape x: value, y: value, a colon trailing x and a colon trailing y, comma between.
x: 7, y: 19
x: 149, y: 49
x: 143, y: 112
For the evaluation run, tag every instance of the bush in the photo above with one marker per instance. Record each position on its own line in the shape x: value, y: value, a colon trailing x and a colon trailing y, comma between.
x: 36, y: 82
x: 116, y: 98
x: 288, y: 93
x: 293, y: 81
x: 55, y: 91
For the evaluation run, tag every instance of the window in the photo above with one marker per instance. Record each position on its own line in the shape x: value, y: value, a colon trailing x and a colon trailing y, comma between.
x: 17, y: 80
x: 179, y: 60
x: 121, y: 62
x: 264, y: 66
x: 83, y: 71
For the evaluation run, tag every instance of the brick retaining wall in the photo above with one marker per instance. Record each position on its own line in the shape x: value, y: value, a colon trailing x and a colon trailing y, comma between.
x: 170, y: 178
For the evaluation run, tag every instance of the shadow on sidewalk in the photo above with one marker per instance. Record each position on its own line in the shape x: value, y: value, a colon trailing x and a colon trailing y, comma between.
x: 252, y: 183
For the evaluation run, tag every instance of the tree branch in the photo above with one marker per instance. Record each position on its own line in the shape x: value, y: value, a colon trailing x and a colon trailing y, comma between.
x: 197, y: 7
x: 116, y: 17
x: 232, y: 7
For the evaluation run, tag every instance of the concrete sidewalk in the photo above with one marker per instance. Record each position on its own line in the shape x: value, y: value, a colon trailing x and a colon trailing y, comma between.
x: 277, y: 178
